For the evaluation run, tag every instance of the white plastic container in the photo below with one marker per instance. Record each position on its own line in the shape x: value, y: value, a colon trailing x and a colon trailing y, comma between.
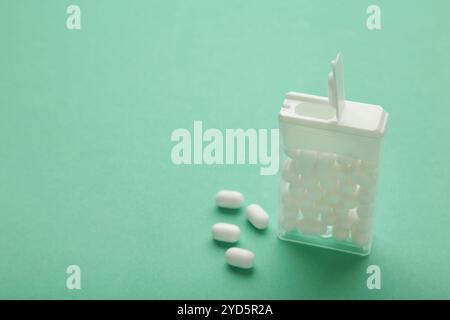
x: 331, y: 151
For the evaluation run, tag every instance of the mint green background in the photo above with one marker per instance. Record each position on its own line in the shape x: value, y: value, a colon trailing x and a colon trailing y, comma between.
x: 85, y: 123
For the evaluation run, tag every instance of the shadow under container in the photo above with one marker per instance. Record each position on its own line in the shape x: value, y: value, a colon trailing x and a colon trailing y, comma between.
x: 329, y: 172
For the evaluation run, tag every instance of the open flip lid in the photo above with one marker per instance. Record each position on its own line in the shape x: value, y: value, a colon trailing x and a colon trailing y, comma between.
x: 334, y: 113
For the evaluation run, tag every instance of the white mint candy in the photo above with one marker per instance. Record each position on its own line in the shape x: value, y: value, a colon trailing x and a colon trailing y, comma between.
x: 349, y: 202
x: 306, y: 161
x: 348, y: 187
x: 289, y: 173
x: 289, y: 211
x: 354, y: 173
x: 364, y: 179
x: 340, y: 210
x: 365, y: 211
x: 298, y: 192
x: 356, y: 163
x: 367, y: 190
x: 332, y: 198
x: 312, y: 226
x: 370, y: 174
x: 226, y: 232
x: 306, y: 204
x: 344, y: 160
x: 368, y: 181
x: 366, y: 197
x: 353, y: 215
x: 329, y: 218
x: 289, y: 199
x: 257, y: 216
x: 365, y: 187
x: 292, y: 153
x: 329, y: 183
x: 324, y: 208
x: 368, y: 166
x: 240, y: 258
x: 314, y: 193
x: 288, y: 223
x: 325, y: 165
x: 346, y: 220
x: 362, y: 225
x: 326, y: 159
x: 309, y: 181
x: 341, y: 172
x: 310, y: 212
x: 361, y: 239
x: 229, y: 199
x: 340, y: 233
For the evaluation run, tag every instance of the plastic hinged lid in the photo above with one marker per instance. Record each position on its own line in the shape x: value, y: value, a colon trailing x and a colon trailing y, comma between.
x: 334, y: 113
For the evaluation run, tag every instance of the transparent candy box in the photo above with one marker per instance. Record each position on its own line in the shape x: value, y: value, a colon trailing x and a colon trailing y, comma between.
x: 331, y: 151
